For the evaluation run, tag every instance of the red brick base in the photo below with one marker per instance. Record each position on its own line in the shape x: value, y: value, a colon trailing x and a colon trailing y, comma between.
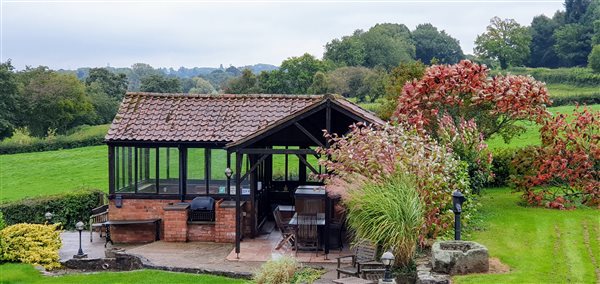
x: 174, y: 225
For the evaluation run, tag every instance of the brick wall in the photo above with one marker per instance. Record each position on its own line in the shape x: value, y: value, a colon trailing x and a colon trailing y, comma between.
x: 201, y: 232
x: 174, y: 225
x: 133, y: 209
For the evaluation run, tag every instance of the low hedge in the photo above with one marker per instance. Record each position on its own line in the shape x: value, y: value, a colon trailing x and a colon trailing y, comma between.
x: 574, y: 76
x: 68, y: 208
x: 587, y: 99
x: 81, y: 136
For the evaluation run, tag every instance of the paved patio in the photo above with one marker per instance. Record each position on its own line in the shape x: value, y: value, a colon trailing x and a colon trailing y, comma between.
x: 204, y: 255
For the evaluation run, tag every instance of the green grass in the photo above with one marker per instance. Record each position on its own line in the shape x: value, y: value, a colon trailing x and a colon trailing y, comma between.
x: 565, y: 90
x: 539, y: 245
x: 531, y: 136
x: 24, y: 273
x: 45, y: 173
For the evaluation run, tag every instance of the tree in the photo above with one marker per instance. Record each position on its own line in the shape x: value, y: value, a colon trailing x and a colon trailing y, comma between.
x: 506, y: 41
x: 394, y: 82
x: 201, y: 86
x: 346, y: 81
x: 431, y: 43
x: 464, y: 91
x: 382, y: 45
x: 575, y: 10
x: 319, y: 84
x: 53, y: 101
x: 105, y: 106
x: 114, y: 85
x: 160, y: 84
x: 245, y: 84
x: 594, y: 59
x: 388, y: 45
x: 573, y: 44
x: 9, y: 98
x: 138, y: 72
x: 347, y: 51
x: 542, y: 42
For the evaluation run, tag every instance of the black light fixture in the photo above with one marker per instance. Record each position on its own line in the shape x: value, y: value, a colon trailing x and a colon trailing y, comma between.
x: 79, y: 226
x: 457, y: 200
x: 387, y: 259
x: 48, y: 217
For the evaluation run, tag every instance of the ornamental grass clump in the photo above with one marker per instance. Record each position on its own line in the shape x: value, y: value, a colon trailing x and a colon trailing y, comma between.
x: 388, y: 213
x: 31, y: 243
x: 277, y: 271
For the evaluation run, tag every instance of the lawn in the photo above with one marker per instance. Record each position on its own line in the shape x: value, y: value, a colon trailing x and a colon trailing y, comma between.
x: 539, y: 245
x: 24, y: 273
x: 531, y: 136
x: 45, y: 173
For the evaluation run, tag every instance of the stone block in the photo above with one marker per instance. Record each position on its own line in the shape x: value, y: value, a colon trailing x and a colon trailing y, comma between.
x: 459, y: 257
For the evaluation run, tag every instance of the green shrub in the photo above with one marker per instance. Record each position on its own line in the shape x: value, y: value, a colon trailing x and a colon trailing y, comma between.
x: 2, y: 223
x: 22, y: 142
x: 501, y: 165
x: 594, y: 59
x: 277, y: 271
x: 388, y: 213
x: 31, y: 243
x: 67, y: 208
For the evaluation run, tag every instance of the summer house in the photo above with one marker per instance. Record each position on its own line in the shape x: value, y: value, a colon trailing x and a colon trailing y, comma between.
x: 249, y: 153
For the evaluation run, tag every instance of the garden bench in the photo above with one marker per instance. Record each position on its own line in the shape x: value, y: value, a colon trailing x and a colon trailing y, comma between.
x: 107, y: 225
x: 98, y: 218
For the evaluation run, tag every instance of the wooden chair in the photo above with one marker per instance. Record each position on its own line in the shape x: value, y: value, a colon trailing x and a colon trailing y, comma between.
x: 364, y: 257
x: 287, y: 231
x: 307, y: 235
x: 97, y: 219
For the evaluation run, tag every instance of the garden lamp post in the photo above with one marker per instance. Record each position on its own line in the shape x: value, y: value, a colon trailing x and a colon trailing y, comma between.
x: 80, y: 254
x: 228, y: 173
x: 387, y: 259
x: 457, y: 200
x: 48, y: 217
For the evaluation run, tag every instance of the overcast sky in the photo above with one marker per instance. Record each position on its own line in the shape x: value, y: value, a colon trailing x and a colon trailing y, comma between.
x: 70, y: 34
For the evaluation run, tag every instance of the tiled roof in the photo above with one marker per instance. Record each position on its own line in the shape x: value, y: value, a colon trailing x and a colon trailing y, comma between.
x: 203, y: 118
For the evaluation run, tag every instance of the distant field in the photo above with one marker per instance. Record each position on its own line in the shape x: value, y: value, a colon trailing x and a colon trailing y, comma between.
x: 564, y: 90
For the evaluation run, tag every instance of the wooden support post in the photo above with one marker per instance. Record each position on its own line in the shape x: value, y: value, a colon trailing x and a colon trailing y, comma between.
x: 238, y: 213
x: 207, y: 168
x: 111, y: 169
x: 182, y: 172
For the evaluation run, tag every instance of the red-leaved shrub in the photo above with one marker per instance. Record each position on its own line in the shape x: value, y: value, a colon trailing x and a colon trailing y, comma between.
x: 567, y: 169
x: 370, y: 153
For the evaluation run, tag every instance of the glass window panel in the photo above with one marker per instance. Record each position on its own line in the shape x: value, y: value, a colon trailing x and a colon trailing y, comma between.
x: 293, y: 165
x: 146, y: 170
x: 314, y: 162
x: 196, y: 171
x: 218, y: 164
x: 124, y: 173
x: 279, y: 165
x: 168, y: 171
